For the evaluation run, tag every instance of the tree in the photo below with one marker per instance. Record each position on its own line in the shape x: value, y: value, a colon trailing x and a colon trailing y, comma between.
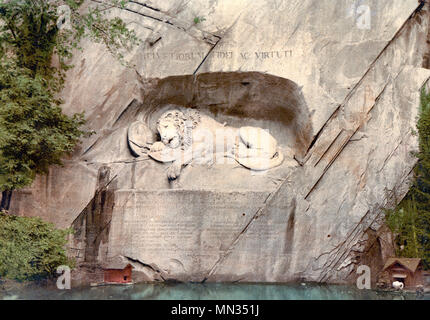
x: 410, y: 221
x: 34, y: 133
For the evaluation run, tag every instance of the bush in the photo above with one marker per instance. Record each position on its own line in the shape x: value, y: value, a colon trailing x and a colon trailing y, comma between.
x: 30, y: 248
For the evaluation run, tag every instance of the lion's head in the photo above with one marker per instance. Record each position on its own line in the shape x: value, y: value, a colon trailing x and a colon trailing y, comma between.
x: 172, y: 127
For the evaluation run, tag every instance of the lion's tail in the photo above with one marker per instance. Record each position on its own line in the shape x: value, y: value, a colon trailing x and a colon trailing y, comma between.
x: 261, y: 164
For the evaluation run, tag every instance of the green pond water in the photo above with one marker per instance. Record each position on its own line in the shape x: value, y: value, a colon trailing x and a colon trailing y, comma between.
x: 210, y: 291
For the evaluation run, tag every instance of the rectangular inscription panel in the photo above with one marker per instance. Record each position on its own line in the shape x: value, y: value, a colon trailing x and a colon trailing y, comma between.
x: 180, y: 231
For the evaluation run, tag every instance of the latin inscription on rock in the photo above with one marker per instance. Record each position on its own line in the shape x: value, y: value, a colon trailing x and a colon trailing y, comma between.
x: 222, y: 54
x: 163, y: 221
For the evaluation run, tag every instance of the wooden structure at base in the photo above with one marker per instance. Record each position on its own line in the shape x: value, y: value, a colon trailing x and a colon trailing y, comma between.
x: 118, y: 275
x: 406, y: 270
x: 117, y: 270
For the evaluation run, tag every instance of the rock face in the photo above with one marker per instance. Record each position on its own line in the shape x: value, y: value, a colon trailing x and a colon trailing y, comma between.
x: 336, y: 82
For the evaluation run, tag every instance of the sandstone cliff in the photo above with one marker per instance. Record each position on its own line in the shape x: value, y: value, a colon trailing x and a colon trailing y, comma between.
x: 337, y: 82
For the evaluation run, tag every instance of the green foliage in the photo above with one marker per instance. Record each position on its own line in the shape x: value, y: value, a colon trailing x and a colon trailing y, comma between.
x: 28, y: 34
x: 405, y: 223
x: 198, y: 20
x: 30, y: 248
x: 95, y: 25
x: 29, y: 31
x: 34, y: 133
x: 410, y: 221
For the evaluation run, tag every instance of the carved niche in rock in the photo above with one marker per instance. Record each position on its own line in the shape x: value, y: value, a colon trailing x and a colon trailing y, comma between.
x: 182, y: 120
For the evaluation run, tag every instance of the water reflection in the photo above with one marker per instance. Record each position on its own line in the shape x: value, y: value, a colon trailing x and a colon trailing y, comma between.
x: 210, y: 291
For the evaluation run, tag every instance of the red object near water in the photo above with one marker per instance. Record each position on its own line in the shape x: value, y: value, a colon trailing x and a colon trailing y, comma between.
x: 118, y: 275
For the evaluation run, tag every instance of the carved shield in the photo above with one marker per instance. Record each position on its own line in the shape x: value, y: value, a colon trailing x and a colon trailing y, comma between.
x: 138, y: 135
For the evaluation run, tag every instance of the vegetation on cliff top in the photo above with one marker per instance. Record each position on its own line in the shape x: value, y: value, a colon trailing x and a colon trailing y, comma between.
x: 30, y: 248
x: 410, y: 221
x: 35, y: 44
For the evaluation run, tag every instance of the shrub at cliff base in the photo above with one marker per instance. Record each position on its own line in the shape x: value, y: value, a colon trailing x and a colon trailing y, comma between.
x: 410, y: 221
x: 30, y: 248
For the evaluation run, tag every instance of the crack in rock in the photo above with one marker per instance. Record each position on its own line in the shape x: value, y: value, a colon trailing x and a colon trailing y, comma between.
x: 149, y: 12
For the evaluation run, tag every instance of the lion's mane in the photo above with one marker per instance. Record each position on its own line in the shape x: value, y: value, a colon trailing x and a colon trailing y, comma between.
x: 185, y: 122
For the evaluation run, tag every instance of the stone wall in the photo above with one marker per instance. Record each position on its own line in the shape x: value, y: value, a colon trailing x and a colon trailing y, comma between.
x: 340, y: 91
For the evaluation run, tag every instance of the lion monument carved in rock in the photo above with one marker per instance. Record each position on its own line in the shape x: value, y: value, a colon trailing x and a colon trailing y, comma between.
x: 188, y: 136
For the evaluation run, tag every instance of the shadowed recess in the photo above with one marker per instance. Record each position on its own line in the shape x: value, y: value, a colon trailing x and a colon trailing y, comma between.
x: 237, y: 98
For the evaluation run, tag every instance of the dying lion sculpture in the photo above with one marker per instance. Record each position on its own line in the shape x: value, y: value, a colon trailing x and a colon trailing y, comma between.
x: 188, y: 136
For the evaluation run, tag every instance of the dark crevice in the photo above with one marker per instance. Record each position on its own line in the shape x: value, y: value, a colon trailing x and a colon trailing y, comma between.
x: 207, y: 55
x: 143, y: 264
x: 156, y: 270
x: 165, y: 20
x: 133, y: 11
x: 92, y: 225
x: 133, y: 104
x: 6, y: 199
x: 151, y: 44
x: 315, y: 139
x: 145, y: 5
x: 90, y: 147
x: 290, y: 229
x: 422, y: 3
x: 329, y: 146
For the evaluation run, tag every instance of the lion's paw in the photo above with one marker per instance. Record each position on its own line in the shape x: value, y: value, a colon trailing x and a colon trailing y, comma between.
x: 157, y: 146
x: 174, y: 171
